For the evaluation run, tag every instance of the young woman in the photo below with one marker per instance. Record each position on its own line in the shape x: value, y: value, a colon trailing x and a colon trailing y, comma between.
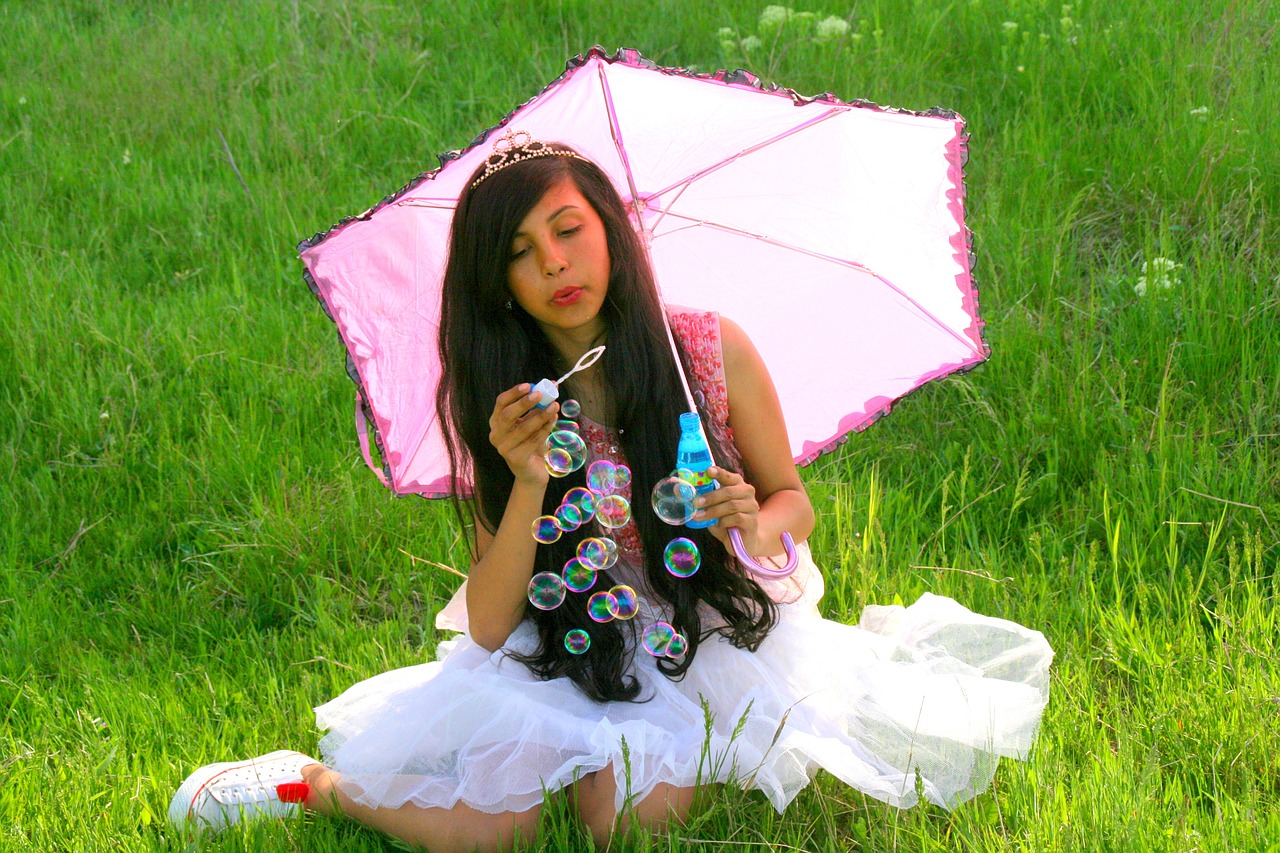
x: 461, y: 754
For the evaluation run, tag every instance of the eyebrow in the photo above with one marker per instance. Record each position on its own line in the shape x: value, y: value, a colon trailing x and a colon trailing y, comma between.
x: 552, y: 217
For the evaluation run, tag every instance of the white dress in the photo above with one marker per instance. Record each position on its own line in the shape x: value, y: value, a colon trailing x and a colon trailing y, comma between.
x: 927, y: 697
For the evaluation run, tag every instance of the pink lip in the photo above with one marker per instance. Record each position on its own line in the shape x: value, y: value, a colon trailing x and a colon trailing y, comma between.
x: 567, y: 295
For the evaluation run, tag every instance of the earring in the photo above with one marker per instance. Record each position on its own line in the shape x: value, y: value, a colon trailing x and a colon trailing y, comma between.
x: 508, y: 306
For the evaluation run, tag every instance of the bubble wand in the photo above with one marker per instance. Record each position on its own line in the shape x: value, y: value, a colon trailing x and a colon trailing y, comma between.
x: 550, y: 391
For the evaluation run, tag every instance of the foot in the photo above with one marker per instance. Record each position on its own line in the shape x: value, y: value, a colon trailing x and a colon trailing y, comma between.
x: 219, y: 795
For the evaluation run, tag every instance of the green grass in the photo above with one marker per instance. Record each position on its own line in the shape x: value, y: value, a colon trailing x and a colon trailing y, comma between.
x: 192, y: 554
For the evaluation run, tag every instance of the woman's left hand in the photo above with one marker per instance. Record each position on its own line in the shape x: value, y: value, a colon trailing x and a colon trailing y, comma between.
x: 734, y: 504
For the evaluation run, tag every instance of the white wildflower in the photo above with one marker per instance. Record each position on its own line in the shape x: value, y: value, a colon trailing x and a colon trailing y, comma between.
x: 127, y: 158
x: 104, y: 416
x: 1201, y: 113
x: 832, y: 28
x: 22, y: 99
x: 877, y: 34
x: 772, y: 18
x: 1157, y: 274
x: 726, y: 33
x: 1021, y: 68
x: 1066, y: 22
x: 1010, y: 26
x: 751, y: 43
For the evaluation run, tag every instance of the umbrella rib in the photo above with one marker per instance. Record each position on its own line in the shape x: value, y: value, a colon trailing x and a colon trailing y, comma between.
x: 702, y: 223
x: 751, y: 149
x: 773, y: 241
x: 615, y: 130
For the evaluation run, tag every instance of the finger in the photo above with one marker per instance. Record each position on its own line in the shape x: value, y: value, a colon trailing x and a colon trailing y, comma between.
x: 515, y: 392
x: 724, y: 477
x: 524, y: 407
x: 726, y: 494
x: 508, y: 397
x: 723, y: 509
x: 504, y: 400
x: 534, y: 427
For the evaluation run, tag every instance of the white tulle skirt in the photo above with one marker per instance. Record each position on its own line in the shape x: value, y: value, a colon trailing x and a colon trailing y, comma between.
x: 924, y: 698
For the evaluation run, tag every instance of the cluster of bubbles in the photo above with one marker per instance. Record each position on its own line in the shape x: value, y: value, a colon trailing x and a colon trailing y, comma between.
x: 548, y: 589
x: 566, y: 451
x: 602, y: 499
x: 661, y: 640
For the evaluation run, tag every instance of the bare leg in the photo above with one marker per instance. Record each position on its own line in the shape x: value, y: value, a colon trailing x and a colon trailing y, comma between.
x: 593, y: 797
x: 461, y: 828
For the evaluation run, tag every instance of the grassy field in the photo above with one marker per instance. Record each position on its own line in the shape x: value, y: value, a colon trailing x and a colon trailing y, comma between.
x: 192, y: 553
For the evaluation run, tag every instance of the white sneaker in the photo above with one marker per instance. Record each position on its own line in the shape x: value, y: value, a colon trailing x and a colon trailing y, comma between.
x: 219, y: 795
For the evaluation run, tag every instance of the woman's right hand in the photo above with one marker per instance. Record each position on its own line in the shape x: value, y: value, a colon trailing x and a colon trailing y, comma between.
x: 519, y: 430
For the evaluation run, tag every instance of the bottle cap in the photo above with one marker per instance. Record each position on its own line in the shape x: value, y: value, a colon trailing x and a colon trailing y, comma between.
x: 549, y: 391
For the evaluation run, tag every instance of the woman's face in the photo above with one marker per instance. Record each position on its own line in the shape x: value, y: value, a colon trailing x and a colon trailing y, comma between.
x: 559, y: 268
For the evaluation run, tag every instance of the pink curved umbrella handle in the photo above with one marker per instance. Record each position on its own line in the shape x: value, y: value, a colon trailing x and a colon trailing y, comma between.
x: 758, y: 570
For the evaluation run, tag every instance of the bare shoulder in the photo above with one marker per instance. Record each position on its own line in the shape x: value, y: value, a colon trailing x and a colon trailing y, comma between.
x: 755, y: 414
x: 742, y: 363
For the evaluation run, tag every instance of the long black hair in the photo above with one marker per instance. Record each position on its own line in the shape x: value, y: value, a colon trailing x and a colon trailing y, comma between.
x: 486, y: 347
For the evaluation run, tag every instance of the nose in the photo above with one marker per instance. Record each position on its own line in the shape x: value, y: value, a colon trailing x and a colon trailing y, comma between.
x: 553, y: 261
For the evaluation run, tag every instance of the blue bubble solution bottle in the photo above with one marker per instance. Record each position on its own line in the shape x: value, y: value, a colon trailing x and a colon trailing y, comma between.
x: 693, y: 454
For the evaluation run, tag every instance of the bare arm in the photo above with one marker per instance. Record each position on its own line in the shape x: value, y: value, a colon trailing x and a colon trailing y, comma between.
x: 770, y: 498
x: 503, y: 560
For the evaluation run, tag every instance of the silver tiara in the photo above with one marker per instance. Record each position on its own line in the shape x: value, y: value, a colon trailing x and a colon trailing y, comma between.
x: 517, y: 145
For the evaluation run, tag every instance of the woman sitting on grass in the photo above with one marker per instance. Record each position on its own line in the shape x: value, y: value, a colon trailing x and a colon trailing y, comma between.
x: 758, y: 690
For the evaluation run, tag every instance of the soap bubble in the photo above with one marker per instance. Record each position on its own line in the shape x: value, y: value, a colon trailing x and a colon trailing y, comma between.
x: 686, y: 475
x: 570, y: 408
x: 577, y: 641
x: 593, y: 552
x: 546, y: 529
x: 559, y: 462
x: 677, y: 646
x: 546, y: 590
x: 672, y: 500
x: 656, y: 638
x: 578, y: 576
x: 621, y: 477
x: 600, y: 476
x: 601, y: 606
x: 681, y: 557
x: 613, y: 511
x: 568, y: 517
x: 566, y: 452
x: 583, y: 499
x: 611, y: 552
x: 571, y: 426
x: 625, y: 602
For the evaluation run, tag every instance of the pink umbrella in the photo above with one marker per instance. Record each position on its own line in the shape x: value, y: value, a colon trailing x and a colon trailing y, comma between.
x: 832, y: 232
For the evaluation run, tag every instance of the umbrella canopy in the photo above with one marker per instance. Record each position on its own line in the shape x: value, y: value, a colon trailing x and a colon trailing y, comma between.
x: 832, y: 232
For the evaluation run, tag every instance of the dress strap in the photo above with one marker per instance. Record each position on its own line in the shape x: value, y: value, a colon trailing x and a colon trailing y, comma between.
x: 698, y: 333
